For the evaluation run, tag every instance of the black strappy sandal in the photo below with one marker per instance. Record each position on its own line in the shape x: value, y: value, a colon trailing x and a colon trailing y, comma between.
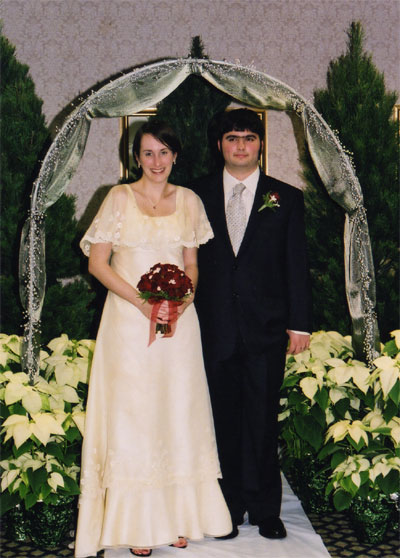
x: 133, y: 551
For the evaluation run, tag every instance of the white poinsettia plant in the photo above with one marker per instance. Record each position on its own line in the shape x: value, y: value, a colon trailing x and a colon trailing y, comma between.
x: 337, y: 408
x: 42, y: 423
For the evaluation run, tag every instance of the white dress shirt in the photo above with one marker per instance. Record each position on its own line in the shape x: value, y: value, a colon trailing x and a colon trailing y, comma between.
x: 248, y: 194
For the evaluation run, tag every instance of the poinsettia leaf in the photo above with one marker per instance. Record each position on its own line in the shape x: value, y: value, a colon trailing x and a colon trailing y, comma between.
x: 356, y: 445
x: 319, y: 415
x: 390, y: 483
x: 23, y: 490
x: 394, y: 393
x: 390, y: 348
x: 46, y: 489
x: 364, y: 490
x: 329, y: 487
x: 17, y: 409
x: 31, y: 500
x: 54, y: 449
x: 327, y: 450
x: 70, y: 458
x: 337, y: 458
x: 342, y: 500
x: 290, y: 381
x: 4, y: 410
x: 70, y: 486
x: 342, y: 407
x: 37, y: 479
x: 295, y: 397
x: 369, y: 400
x: 25, y: 448
x: 390, y: 410
x: 364, y: 476
x: 72, y: 434
x: 322, y: 398
x: 308, y: 429
x: 348, y: 484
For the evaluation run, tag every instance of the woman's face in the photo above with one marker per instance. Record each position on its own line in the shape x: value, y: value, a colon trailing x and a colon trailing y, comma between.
x: 155, y: 158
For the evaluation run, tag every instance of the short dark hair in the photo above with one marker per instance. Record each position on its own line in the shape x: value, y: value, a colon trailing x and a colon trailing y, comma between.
x: 240, y: 120
x: 159, y: 130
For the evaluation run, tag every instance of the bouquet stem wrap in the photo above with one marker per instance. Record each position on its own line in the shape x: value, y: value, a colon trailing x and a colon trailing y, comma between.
x: 171, y: 308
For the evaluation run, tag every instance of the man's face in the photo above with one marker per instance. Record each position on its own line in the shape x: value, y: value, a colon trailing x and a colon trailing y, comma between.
x: 240, y: 150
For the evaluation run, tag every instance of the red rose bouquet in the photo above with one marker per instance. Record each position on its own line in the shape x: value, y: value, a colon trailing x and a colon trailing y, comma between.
x: 164, y: 285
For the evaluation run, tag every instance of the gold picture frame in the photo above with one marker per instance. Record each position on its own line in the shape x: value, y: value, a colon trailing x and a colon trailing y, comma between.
x: 130, y: 124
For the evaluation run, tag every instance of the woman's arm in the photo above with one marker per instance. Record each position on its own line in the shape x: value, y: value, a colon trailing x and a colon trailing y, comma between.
x: 99, y: 266
x: 192, y: 271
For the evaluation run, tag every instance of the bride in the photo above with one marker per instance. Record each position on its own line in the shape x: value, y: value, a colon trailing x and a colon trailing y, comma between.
x: 149, y: 459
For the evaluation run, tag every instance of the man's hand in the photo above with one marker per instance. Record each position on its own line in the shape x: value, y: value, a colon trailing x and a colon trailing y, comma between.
x: 298, y: 342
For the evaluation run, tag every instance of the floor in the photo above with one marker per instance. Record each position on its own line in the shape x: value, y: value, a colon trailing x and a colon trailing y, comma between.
x: 312, y: 536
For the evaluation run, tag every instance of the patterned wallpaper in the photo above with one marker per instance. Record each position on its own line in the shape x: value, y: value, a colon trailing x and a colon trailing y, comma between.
x: 70, y: 45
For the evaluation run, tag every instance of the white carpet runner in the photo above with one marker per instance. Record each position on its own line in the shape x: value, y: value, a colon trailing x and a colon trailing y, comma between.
x: 301, y: 541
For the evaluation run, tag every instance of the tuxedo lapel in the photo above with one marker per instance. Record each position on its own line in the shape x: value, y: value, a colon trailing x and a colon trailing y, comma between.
x: 255, y: 215
x: 215, y: 206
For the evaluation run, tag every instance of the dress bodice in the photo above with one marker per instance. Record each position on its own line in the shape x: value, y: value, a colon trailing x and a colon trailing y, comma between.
x: 121, y: 222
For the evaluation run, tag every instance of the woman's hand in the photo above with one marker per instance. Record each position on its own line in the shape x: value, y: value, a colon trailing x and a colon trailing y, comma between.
x: 182, y: 307
x: 147, y: 309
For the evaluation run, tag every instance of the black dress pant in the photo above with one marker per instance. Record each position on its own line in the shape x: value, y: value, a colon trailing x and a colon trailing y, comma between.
x: 244, y: 392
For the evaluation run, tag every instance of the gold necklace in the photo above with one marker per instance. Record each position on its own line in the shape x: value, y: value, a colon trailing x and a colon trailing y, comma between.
x: 153, y: 205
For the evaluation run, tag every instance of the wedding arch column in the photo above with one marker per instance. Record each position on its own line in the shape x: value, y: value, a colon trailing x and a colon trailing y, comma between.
x: 146, y: 86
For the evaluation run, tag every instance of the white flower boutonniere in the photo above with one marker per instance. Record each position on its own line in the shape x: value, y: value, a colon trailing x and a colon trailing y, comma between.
x: 271, y: 200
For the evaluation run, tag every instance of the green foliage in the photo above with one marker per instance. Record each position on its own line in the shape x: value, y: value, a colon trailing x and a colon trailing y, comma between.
x: 190, y: 109
x: 24, y: 139
x: 42, y: 422
x: 341, y: 417
x: 23, y: 136
x: 356, y: 105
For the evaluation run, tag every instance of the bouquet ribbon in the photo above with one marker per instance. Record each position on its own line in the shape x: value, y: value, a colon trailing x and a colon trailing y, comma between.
x: 172, y: 317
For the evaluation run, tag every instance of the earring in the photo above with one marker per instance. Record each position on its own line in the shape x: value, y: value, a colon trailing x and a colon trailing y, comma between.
x: 174, y: 161
x: 138, y: 164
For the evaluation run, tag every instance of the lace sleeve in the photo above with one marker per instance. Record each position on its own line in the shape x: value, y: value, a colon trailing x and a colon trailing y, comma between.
x: 197, y: 226
x: 108, y: 224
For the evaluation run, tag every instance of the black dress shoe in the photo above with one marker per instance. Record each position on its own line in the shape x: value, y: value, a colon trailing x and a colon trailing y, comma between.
x: 272, y: 528
x: 234, y: 533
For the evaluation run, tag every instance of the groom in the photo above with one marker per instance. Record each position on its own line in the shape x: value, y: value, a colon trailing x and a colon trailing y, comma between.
x: 253, y: 297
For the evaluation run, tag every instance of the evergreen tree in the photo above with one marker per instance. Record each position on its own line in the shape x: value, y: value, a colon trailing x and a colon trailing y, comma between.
x: 357, y: 106
x: 24, y: 139
x: 190, y: 109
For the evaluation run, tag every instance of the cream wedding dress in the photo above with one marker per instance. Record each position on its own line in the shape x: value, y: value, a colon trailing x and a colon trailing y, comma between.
x: 149, y: 457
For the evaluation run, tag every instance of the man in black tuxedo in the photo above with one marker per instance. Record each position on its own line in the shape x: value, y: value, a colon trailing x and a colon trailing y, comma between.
x: 252, y: 298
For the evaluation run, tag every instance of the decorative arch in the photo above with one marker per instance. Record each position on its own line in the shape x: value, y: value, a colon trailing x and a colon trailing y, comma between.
x: 146, y: 86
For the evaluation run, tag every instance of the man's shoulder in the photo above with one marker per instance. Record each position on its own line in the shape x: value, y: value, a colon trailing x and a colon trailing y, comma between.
x: 203, y: 183
x: 272, y: 183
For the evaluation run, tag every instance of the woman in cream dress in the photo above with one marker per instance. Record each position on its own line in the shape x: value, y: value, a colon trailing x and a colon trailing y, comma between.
x: 149, y: 460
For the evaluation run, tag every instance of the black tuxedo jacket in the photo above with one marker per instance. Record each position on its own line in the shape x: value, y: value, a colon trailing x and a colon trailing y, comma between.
x: 265, y: 289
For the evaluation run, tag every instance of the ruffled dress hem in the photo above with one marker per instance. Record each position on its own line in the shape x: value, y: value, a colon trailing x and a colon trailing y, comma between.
x: 193, y: 511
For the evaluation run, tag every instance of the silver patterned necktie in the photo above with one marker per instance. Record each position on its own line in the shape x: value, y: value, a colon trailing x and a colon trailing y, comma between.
x: 236, y: 217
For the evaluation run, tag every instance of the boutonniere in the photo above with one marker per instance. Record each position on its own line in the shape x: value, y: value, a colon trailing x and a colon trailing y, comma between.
x: 271, y: 200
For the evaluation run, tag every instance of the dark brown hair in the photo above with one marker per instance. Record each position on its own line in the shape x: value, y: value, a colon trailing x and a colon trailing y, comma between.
x: 159, y: 130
